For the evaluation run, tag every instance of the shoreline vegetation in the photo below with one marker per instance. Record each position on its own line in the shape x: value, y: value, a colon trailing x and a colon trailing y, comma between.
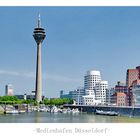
x: 11, y: 100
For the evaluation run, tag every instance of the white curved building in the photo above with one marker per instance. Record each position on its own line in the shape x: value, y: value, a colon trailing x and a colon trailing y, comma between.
x: 90, y: 100
x: 94, y: 91
x: 91, y: 78
x: 101, y: 91
x: 95, y: 88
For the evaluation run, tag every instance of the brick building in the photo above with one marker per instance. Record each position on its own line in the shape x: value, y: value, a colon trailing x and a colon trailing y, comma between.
x: 131, y: 76
x: 119, y: 99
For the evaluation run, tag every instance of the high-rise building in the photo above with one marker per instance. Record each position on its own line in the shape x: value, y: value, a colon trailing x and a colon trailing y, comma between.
x: 98, y: 88
x: 39, y: 35
x: 93, y: 93
x: 101, y: 91
x: 109, y: 94
x: 9, y: 90
x: 91, y: 78
x: 80, y: 92
x: 136, y: 94
x: 131, y: 76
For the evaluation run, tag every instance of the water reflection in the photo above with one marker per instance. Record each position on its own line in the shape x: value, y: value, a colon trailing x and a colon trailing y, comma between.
x: 43, y: 117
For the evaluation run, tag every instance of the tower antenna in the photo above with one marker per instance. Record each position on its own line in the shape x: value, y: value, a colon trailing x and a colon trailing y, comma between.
x: 39, y: 21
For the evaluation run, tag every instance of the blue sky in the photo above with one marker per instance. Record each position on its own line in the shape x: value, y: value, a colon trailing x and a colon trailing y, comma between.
x: 77, y: 39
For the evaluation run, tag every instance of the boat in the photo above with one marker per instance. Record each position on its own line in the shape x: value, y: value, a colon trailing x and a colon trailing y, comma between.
x: 75, y: 110
x: 64, y: 111
x: 11, y: 112
x: 69, y: 110
x: 29, y: 110
x: 22, y: 111
x: 43, y: 109
x: 108, y: 113
x: 54, y: 109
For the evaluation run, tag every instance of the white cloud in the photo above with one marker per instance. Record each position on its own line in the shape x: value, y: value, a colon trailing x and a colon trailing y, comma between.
x: 59, y: 78
x: 29, y: 74
x: 53, y: 77
x: 12, y: 73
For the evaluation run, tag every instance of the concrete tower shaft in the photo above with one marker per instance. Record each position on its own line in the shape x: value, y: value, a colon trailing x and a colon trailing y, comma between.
x: 39, y: 35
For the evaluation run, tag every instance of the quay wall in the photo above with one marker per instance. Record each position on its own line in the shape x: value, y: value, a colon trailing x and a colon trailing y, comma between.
x: 126, y: 110
x: 1, y: 110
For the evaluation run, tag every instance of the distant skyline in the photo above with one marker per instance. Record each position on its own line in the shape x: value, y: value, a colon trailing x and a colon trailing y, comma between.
x: 78, y: 39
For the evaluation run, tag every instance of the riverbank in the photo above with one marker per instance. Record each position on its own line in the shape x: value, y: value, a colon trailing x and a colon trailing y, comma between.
x: 1, y: 110
x: 128, y: 112
x: 122, y: 110
x: 23, y: 108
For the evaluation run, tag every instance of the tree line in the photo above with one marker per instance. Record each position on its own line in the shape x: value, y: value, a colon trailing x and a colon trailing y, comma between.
x: 46, y: 101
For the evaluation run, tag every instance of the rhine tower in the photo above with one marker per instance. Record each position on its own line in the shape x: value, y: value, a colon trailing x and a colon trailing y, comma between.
x: 39, y: 35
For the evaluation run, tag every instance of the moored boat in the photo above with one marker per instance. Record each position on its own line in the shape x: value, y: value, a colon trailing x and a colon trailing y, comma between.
x: 11, y: 112
x: 54, y: 109
x: 22, y: 111
x: 108, y: 113
x: 75, y: 110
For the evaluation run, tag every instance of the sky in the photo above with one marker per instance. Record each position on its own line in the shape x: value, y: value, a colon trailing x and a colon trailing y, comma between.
x: 78, y: 39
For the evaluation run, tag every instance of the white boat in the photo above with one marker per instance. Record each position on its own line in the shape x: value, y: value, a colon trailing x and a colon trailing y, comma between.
x: 109, y: 113
x: 69, y: 110
x: 11, y: 112
x: 29, y: 110
x: 44, y: 109
x: 75, y: 110
x: 54, y: 109
x: 22, y: 111
x: 64, y: 111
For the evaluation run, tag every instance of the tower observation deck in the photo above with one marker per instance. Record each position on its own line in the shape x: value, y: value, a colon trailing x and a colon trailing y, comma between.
x: 39, y: 35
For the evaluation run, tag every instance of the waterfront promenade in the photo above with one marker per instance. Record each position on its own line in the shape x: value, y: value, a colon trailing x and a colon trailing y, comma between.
x: 122, y: 110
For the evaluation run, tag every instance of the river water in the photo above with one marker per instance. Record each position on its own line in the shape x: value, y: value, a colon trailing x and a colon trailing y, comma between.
x: 45, y: 117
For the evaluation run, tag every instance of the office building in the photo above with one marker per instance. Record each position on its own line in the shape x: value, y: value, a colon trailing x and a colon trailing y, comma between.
x: 121, y: 87
x: 95, y: 88
x: 76, y: 95
x: 69, y: 95
x: 91, y: 78
x: 9, y: 90
x: 131, y: 76
x: 93, y: 93
x: 25, y: 97
x: 119, y: 99
x: 109, y: 94
x: 136, y: 93
x: 101, y: 91
x: 89, y: 98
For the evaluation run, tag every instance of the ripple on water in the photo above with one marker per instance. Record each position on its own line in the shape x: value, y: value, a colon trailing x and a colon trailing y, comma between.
x: 44, y: 117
